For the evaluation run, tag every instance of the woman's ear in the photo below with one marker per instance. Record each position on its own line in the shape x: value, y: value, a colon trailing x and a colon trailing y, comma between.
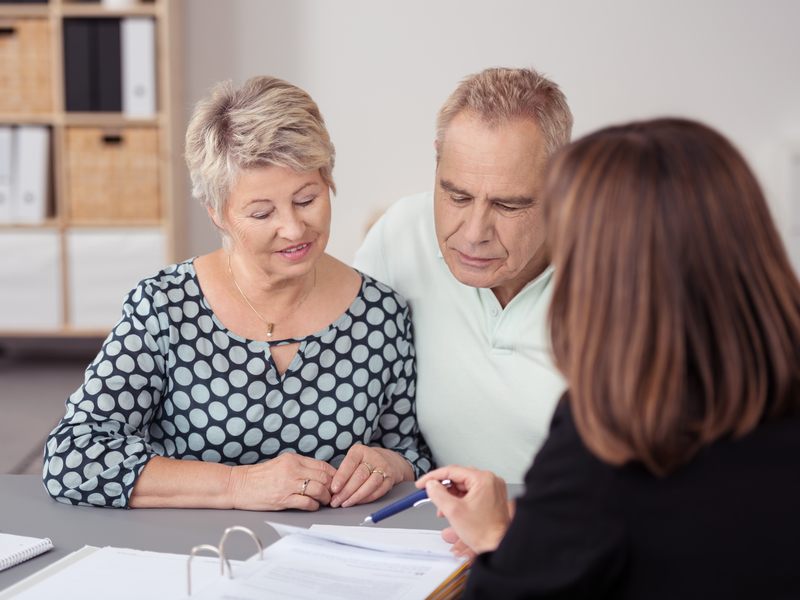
x: 213, y: 214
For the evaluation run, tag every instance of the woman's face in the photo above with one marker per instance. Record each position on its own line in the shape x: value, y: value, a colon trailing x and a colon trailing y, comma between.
x: 279, y: 220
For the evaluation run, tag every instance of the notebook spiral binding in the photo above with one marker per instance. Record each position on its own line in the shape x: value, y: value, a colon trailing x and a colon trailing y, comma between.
x: 19, y: 556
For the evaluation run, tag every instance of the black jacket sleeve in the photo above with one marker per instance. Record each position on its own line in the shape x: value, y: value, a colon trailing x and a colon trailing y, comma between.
x: 567, y: 539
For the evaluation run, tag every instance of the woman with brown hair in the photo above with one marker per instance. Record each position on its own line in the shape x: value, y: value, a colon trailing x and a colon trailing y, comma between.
x: 671, y: 470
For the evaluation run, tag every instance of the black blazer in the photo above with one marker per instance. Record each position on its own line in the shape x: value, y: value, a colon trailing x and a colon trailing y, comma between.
x: 724, y: 526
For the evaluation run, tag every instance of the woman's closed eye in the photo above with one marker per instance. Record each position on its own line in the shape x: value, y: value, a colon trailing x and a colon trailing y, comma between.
x: 305, y: 201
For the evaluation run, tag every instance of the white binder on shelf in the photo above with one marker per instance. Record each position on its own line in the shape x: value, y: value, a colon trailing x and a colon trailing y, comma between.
x: 31, y: 174
x: 30, y: 289
x: 105, y: 264
x: 138, y: 45
x: 6, y: 169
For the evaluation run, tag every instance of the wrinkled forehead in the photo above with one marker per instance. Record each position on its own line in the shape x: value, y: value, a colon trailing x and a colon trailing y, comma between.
x: 473, y: 150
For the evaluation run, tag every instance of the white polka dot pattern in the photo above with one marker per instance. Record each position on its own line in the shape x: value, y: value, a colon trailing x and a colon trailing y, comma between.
x: 171, y: 381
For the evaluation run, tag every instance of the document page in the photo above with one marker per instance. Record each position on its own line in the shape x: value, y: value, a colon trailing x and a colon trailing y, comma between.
x: 423, y: 542
x: 127, y: 574
x: 309, y: 568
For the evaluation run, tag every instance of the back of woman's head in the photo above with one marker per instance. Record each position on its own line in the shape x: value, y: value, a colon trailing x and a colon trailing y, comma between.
x: 676, y: 313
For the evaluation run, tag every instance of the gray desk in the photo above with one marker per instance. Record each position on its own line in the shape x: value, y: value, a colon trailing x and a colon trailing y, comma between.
x: 26, y: 509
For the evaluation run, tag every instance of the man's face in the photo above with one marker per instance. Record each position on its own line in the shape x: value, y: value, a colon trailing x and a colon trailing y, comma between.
x: 486, y: 207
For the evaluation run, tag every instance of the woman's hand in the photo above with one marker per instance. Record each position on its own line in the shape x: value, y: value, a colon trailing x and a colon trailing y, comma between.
x: 460, y: 549
x: 278, y: 484
x: 476, y: 505
x: 366, y: 474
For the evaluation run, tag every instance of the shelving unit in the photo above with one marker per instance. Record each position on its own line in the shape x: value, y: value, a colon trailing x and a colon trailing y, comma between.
x: 106, y: 233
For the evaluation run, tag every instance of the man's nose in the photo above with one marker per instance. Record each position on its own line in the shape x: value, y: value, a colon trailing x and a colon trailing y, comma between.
x: 478, y: 224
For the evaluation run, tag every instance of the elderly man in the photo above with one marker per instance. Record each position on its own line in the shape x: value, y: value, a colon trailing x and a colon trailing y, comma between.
x: 470, y: 259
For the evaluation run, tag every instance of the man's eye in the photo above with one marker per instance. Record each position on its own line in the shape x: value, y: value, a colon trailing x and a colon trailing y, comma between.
x: 506, y: 208
x: 459, y: 199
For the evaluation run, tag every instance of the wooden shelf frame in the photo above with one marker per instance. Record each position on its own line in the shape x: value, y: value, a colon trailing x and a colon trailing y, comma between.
x: 168, y: 121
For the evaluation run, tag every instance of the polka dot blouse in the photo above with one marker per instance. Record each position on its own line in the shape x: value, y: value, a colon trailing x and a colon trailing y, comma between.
x: 171, y: 380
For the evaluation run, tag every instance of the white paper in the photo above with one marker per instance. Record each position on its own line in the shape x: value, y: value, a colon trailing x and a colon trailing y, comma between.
x: 124, y: 574
x: 301, y: 567
x: 416, y: 542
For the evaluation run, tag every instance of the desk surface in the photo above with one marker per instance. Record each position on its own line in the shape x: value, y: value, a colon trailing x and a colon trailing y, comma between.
x: 26, y: 509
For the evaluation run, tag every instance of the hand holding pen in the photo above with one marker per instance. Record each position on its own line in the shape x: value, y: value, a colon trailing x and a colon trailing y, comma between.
x: 415, y: 499
x: 475, y: 503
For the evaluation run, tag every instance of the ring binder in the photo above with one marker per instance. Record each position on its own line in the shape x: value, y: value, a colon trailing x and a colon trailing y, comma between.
x: 223, y: 560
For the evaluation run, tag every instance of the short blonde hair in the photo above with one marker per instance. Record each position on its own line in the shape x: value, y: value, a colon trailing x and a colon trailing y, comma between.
x: 499, y: 96
x: 265, y: 122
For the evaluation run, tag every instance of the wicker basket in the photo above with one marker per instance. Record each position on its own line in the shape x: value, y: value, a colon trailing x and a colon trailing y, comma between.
x: 112, y: 175
x: 25, y: 69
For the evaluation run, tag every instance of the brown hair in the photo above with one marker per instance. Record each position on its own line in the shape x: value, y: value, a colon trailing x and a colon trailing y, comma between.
x: 498, y: 96
x: 675, y: 314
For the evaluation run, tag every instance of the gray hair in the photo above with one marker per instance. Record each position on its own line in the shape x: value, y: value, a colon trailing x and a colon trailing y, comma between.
x: 265, y: 122
x: 498, y: 96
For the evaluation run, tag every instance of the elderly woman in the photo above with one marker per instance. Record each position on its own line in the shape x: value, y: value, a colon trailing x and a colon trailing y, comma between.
x: 671, y: 466
x: 263, y: 376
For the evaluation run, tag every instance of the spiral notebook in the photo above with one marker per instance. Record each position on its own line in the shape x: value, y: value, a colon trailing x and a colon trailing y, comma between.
x: 15, y: 549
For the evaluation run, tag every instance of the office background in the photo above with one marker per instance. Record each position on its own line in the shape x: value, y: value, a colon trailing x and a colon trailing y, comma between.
x: 380, y: 70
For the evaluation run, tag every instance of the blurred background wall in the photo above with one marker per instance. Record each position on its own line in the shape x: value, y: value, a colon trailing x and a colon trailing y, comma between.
x: 380, y: 71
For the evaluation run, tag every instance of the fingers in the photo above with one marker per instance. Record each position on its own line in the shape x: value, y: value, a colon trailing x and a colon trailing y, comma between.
x: 449, y: 535
x: 479, y: 516
x: 351, y: 463
x: 360, y: 477
x: 325, y: 473
x: 314, y: 495
x: 459, y: 477
x: 445, y: 502
x: 461, y: 550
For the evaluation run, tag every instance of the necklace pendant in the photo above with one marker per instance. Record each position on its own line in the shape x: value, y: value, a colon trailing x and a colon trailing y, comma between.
x: 269, y: 329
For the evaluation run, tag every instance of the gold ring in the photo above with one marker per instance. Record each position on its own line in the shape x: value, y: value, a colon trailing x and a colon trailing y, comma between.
x: 366, y: 464
x: 379, y: 472
x: 305, y: 485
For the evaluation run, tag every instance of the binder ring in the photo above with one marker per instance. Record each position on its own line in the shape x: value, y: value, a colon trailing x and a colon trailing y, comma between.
x: 246, y: 530
x: 222, y: 562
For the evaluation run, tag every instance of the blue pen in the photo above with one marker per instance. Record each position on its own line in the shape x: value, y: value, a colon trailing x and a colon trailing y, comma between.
x: 415, y: 499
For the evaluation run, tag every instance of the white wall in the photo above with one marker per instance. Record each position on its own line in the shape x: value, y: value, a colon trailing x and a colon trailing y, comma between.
x: 380, y: 70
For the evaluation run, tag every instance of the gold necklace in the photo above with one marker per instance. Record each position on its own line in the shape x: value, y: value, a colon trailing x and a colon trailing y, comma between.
x: 270, y: 326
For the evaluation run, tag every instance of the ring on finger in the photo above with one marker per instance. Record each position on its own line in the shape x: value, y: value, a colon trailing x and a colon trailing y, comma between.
x: 369, y: 468
x: 379, y: 472
x: 305, y: 485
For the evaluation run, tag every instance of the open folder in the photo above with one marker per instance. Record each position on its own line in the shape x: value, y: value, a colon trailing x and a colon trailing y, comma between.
x: 321, y: 562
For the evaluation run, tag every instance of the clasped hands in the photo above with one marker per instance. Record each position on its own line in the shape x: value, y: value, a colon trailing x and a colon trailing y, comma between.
x: 294, y: 481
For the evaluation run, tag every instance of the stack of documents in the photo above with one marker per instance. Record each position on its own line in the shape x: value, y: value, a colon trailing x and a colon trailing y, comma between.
x: 323, y: 562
